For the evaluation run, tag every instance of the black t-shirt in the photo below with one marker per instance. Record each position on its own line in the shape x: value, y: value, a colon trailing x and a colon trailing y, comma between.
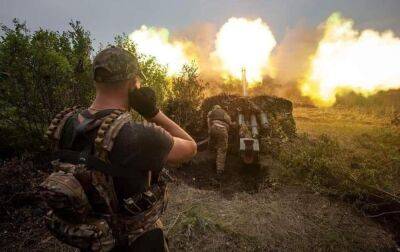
x: 139, y: 148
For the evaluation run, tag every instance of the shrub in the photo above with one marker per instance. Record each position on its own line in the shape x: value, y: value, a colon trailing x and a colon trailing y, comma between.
x: 43, y: 72
x: 187, y: 92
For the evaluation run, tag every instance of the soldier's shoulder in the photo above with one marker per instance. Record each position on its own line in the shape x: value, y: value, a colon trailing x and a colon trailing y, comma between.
x: 142, y: 129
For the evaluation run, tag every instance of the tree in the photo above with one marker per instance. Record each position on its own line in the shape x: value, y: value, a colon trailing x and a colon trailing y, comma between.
x: 43, y: 72
x: 187, y: 93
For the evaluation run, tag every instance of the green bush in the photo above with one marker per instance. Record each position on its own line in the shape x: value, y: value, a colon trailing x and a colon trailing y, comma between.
x: 187, y: 93
x: 42, y: 72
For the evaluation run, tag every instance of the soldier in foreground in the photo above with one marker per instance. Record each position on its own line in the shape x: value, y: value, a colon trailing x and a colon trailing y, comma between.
x: 219, y: 122
x: 108, y: 190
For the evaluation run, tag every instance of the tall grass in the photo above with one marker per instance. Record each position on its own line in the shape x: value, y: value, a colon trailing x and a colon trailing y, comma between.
x: 367, y: 169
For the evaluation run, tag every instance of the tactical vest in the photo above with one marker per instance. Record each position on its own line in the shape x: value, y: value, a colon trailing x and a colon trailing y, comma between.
x: 84, y: 209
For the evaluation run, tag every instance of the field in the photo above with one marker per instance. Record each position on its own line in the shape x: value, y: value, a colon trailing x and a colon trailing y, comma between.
x: 301, y: 203
x: 334, y: 188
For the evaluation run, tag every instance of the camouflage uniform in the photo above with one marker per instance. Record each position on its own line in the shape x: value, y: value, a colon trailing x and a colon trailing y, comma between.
x: 218, y: 128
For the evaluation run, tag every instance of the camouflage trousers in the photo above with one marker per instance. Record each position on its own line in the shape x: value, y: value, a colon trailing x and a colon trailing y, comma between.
x: 219, y: 143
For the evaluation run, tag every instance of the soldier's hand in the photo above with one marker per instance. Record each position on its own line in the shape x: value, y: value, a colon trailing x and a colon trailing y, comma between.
x: 144, y: 101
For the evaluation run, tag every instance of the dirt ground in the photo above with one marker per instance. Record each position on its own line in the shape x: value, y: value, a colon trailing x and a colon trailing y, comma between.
x: 245, y: 209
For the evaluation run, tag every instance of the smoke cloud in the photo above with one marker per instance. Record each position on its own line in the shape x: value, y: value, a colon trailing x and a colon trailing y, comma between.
x: 202, y: 36
x: 291, y: 62
x: 291, y: 58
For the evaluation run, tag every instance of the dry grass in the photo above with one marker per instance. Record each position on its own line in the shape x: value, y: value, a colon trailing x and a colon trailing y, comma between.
x: 280, y: 219
x: 342, y: 124
x: 346, y: 144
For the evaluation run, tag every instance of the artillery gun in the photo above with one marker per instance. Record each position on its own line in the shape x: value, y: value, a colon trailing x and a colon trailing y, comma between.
x: 259, y: 120
x: 262, y: 121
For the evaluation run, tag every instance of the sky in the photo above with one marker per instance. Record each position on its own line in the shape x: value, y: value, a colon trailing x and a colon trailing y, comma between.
x: 105, y: 19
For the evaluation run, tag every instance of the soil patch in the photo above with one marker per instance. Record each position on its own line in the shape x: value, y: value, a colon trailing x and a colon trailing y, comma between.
x: 237, y: 177
x: 21, y: 212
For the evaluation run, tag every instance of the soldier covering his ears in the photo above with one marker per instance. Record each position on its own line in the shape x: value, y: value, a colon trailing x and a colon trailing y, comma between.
x: 107, y: 191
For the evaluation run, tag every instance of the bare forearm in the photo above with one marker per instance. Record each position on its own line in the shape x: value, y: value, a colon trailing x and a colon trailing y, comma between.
x: 174, y: 129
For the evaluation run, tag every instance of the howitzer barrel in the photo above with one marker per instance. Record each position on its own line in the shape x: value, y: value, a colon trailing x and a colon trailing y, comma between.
x: 264, y: 120
x: 254, y: 126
